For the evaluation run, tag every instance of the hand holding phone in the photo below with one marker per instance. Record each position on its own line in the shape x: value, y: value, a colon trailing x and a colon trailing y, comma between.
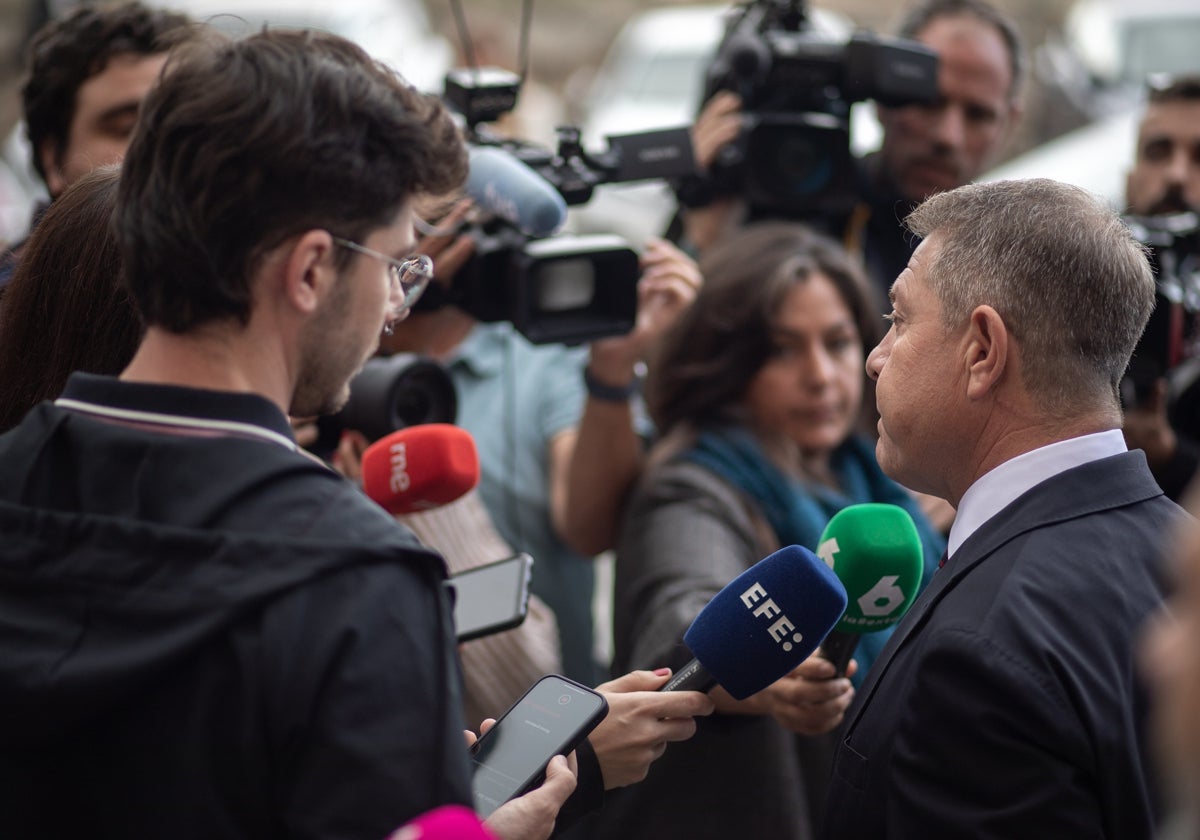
x: 550, y: 719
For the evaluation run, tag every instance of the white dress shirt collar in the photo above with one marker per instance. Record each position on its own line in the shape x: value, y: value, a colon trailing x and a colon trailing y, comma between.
x: 997, y: 488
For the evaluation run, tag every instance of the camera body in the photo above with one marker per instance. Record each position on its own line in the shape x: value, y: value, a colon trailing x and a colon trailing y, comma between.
x: 560, y: 288
x: 390, y: 393
x: 792, y: 157
x: 1171, y: 334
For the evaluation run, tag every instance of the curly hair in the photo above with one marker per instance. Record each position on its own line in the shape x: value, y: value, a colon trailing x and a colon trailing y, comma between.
x: 245, y: 143
x: 67, y: 52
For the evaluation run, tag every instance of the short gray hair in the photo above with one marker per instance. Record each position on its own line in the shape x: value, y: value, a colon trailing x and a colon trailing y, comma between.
x: 1071, y: 282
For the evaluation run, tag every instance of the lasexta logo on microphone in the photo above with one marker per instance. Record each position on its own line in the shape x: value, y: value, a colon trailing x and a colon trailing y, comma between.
x: 882, y: 599
x: 875, y: 550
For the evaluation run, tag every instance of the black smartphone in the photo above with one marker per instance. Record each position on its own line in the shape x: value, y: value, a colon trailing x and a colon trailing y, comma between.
x: 550, y: 719
x: 491, y: 597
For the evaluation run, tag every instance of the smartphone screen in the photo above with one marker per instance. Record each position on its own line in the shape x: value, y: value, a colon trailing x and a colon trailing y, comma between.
x: 551, y: 719
x: 492, y: 597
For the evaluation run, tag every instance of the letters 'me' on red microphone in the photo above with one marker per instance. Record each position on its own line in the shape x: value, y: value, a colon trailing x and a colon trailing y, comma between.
x: 763, y: 624
x: 420, y: 468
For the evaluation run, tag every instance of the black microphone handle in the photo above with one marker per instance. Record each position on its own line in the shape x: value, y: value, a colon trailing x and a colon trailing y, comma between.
x: 691, y: 677
x: 839, y: 648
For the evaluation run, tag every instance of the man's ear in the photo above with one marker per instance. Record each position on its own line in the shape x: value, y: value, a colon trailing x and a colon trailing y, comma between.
x: 308, y: 270
x: 48, y: 156
x: 988, y: 346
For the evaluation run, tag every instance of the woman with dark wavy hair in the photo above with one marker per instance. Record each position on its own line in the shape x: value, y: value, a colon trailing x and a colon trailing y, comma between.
x: 65, y: 308
x: 758, y: 397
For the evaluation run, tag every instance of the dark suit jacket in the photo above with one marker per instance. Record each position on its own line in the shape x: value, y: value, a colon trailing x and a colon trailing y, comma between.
x: 1008, y: 703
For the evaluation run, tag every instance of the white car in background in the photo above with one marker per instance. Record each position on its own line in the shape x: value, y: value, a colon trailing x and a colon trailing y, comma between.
x: 652, y: 77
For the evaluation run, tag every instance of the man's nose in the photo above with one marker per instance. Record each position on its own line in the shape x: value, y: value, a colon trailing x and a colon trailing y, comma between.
x: 818, y: 369
x: 1178, y: 165
x: 877, y: 356
x: 949, y: 127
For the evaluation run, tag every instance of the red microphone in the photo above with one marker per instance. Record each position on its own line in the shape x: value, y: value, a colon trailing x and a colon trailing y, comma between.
x: 420, y: 467
x: 449, y: 822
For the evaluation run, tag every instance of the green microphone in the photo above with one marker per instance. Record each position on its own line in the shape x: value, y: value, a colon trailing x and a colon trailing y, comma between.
x: 875, y: 551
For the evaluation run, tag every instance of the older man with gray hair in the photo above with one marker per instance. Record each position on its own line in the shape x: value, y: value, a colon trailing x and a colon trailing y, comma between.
x: 1008, y: 701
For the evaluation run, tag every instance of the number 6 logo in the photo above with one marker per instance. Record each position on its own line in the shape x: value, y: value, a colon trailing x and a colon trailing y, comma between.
x: 883, y: 598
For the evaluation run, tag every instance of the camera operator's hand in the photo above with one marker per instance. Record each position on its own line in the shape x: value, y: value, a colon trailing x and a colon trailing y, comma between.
x: 347, y: 458
x: 1148, y: 428
x: 718, y: 125
x: 668, y: 285
x: 593, y: 468
x: 305, y: 430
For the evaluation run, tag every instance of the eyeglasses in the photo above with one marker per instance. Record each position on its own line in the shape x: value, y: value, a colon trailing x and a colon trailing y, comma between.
x: 409, y: 277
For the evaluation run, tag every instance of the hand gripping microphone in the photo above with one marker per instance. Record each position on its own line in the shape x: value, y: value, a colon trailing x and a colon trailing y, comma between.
x: 499, y: 183
x: 420, y: 467
x: 876, y: 552
x: 762, y: 625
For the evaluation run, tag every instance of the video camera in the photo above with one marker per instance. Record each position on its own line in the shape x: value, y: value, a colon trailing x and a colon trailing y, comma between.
x: 792, y: 158
x: 552, y: 287
x: 1170, y: 337
x: 390, y: 393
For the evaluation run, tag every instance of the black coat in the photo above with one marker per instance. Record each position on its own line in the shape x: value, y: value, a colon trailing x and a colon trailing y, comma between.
x: 212, y: 637
x: 1008, y: 703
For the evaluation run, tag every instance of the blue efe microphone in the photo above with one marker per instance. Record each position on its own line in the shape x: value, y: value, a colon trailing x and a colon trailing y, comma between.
x: 500, y: 184
x: 763, y: 624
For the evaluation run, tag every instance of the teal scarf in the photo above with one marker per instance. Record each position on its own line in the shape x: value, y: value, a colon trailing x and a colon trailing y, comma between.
x: 798, y: 511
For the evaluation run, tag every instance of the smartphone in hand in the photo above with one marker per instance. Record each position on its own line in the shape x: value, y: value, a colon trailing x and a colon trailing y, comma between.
x: 492, y: 597
x: 550, y: 719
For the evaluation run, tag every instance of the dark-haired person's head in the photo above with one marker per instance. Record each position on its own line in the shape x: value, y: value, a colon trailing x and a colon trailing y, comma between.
x: 775, y: 340
x: 88, y: 73
x: 931, y: 148
x: 1166, y: 172
x: 270, y: 184
x: 65, y: 308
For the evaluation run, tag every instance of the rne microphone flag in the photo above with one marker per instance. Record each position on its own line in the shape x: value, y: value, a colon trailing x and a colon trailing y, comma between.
x: 876, y: 552
x: 763, y: 624
x: 420, y: 468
